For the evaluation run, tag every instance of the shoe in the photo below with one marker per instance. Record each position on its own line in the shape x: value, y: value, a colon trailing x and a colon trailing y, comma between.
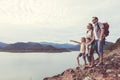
x: 91, y: 66
x: 100, y: 63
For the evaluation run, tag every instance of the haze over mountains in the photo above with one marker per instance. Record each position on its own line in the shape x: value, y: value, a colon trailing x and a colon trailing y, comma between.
x: 37, y: 47
x: 41, y: 47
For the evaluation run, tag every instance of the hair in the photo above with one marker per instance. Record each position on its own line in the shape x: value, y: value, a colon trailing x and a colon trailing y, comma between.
x: 83, y: 39
x: 91, y: 25
x: 88, y: 38
x: 95, y: 17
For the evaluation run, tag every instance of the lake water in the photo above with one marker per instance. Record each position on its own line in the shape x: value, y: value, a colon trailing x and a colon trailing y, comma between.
x: 35, y: 66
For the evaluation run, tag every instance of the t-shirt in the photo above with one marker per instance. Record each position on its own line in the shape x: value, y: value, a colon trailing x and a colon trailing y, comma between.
x: 89, y: 34
x: 82, y: 48
x: 88, y: 46
x: 97, y: 31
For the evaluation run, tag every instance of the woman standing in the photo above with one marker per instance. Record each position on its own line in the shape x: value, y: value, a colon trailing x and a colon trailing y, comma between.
x: 89, y: 34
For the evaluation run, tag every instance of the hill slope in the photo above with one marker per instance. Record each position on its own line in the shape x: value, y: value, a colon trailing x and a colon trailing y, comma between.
x: 109, y: 71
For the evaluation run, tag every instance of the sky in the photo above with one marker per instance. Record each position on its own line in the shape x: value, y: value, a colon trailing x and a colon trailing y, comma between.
x: 55, y: 20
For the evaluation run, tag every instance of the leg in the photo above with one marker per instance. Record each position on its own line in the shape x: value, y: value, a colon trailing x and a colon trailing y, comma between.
x: 92, y: 56
x: 89, y: 60
x: 97, y: 51
x: 101, y: 58
x: 92, y: 61
x: 84, y: 58
x: 78, y: 61
x: 96, y: 48
x: 100, y: 46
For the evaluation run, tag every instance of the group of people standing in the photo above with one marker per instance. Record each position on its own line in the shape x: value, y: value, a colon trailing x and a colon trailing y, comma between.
x: 94, y: 41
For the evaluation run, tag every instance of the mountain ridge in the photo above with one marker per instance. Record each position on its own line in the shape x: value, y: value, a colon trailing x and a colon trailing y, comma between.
x: 41, y: 46
x: 30, y: 47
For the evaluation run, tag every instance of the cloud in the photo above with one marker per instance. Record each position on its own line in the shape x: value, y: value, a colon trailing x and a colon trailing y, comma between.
x: 54, y: 20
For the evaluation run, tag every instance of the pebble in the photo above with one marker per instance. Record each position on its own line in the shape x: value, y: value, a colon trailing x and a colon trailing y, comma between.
x: 88, y: 78
x: 112, y: 59
x: 119, y: 75
x: 109, y: 70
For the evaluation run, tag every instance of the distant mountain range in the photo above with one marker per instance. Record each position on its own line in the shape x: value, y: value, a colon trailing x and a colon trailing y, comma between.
x: 30, y: 47
x: 65, y: 45
x: 72, y: 47
x: 3, y: 44
x: 108, y: 45
x: 41, y: 47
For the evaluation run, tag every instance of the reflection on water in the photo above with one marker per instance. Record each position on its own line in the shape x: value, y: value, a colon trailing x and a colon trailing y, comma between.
x: 35, y: 66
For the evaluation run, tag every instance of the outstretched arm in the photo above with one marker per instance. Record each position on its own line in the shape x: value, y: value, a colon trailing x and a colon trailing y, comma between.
x: 75, y: 41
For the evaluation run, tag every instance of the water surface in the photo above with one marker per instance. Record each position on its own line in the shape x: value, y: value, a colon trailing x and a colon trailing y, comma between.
x: 35, y: 66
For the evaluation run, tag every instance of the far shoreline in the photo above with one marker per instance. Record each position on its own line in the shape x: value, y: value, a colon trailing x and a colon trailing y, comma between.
x: 36, y: 51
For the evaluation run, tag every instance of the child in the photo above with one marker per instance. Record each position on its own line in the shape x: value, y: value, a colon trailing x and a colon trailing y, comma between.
x: 88, y: 52
x: 82, y: 49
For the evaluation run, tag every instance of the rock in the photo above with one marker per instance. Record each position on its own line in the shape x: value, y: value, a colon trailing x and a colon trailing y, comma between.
x: 116, y: 45
x: 119, y: 75
x: 88, y: 78
x: 110, y: 78
x: 99, y: 77
x: 109, y: 71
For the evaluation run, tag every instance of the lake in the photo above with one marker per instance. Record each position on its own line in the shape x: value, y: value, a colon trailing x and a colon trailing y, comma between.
x: 35, y: 66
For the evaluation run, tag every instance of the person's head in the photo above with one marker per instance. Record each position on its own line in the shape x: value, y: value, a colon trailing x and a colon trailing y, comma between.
x: 88, y: 40
x: 83, y: 39
x: 90, y: 26
x: 95, y: 20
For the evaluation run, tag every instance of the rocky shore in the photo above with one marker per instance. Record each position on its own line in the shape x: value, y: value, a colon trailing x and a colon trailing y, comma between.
x: 109, y: 71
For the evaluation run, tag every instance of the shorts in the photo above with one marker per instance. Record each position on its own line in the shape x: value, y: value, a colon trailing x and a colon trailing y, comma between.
x: 93, y: 45
x: 99, y: 45
x: 82, y: 54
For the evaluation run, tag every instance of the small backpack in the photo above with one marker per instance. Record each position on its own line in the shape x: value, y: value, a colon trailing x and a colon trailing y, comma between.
x: 106, y: 28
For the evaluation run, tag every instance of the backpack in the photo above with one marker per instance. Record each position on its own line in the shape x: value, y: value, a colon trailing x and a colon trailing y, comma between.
x: 106, y: 32
x: 106, y: 28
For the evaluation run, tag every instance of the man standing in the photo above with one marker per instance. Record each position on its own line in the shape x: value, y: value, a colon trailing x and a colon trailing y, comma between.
x: 99, y: 38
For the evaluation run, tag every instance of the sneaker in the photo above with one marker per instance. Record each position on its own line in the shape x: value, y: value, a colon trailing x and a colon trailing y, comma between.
x: 99, y: 64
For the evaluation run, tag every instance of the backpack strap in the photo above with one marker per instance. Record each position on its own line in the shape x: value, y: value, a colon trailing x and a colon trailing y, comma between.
x: 98, y: 27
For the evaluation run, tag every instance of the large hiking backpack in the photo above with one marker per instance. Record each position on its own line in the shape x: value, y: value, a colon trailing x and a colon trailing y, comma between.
x: 106, y: 28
